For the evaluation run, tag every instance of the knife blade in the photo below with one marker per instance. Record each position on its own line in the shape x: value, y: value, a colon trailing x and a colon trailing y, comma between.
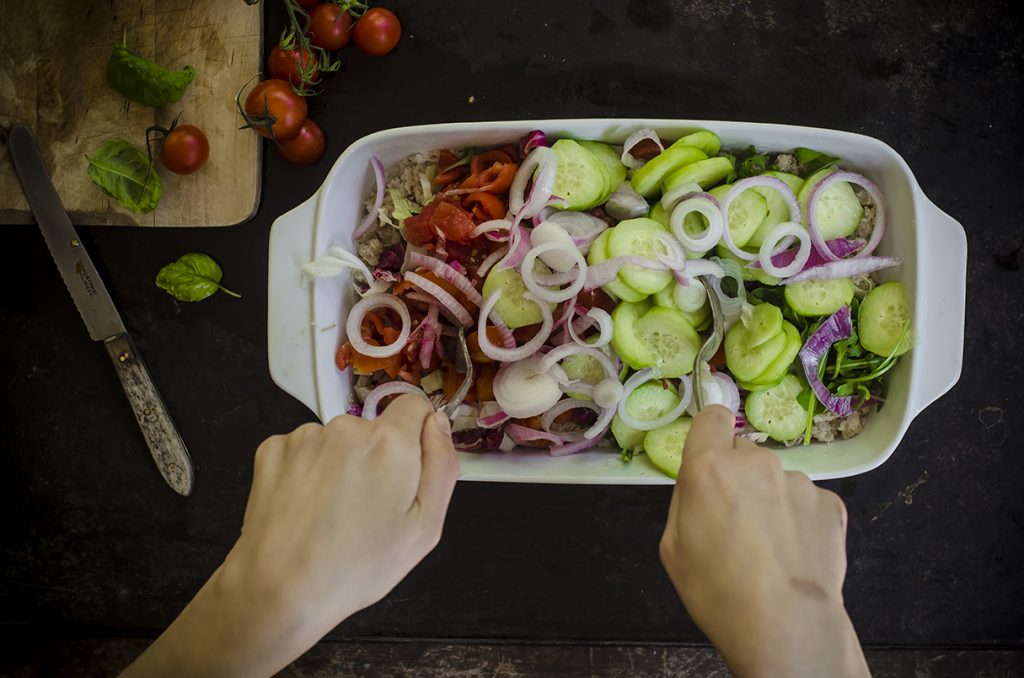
x: 100, y: 314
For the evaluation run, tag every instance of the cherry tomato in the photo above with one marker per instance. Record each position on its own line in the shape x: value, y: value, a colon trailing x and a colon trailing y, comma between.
x: 185, y: 149
x: 286, y: 64
x: 377, y: 31
x: 275, y: 99
x: 306, y: 147
x: 330, y: 27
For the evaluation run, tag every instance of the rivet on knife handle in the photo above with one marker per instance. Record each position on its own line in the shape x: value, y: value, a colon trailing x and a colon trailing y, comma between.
x: 166, y: 446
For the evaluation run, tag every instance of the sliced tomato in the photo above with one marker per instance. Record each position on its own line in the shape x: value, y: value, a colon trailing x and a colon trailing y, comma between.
x: 453, y: 221
x: 418, y: 230
x: 343, y: 358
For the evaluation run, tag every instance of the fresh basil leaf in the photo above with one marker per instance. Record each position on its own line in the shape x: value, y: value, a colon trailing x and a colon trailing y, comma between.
x: 142, y: 80
x: 193, y: 277
x: 125, y: 173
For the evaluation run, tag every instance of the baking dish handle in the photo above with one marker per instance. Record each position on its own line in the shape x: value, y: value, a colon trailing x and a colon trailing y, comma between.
x: 943, y: 289
x: 290, y: 304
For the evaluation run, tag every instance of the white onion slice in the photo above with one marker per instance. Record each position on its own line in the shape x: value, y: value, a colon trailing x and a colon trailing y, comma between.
x: 604, y: 323
x: 642, y: 377
x: 607, y: 392
x: 812, y: 212
x: 559, y: 408
x: 699, y: 267
x: 447, y: 272
x: 785, y: 230
x: 491, y: 226
x: 540, y: 192
x: 703, y: 204
x: 670, y: 199
x: 511, y: 355
x: 554, y: 296
x: 608, y: 270
x: 692, y: 297
x: 523, y: 390
x: 353, y: 326
x: 632, y: 140
x: 378, y: 172
x: 491, y: 259
x: 445, y: 299
x: 384, y: 390
x: 557, y: 259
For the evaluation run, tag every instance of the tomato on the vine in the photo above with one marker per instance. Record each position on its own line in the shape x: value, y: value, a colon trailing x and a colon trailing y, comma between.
x: 377, y: 31
x: 185, y: 149
x: 306, y: 147
x: 297, y: 65
x: 273, y: 105
x: 330, y: 26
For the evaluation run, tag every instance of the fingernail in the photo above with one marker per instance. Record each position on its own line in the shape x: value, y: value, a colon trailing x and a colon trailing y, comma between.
x: 442, y: 423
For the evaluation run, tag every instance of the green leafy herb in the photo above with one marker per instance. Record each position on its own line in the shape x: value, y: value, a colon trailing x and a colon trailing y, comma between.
x: 811, y: 160
x: 144, y: 81
x: 193, y: 277
x: 464, y: 160
x: 753, y: 164
x: 126, y: 174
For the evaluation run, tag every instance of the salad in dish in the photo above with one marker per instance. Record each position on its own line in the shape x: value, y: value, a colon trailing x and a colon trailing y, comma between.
x: 557, y: 293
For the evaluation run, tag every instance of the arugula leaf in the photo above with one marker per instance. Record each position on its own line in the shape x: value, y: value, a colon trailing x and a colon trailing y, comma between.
x: 812, y: 160
x: 193, y: 277
x: 126, y: 174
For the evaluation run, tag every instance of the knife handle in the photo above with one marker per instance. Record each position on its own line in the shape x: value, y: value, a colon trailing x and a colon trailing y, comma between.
x: 165, y: 444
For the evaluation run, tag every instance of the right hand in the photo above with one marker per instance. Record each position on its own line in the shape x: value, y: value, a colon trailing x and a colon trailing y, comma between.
x: 758, y: 557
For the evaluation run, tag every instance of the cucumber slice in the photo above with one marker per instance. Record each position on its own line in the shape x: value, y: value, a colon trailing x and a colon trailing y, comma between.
x: 703, y: 139
x: 513, y: 309
x: 765, y: 322
x: 881, y: 319
x: 618, y: 289
x: 745, y: 213
x: 746, y: 362
x: 778, y: 210
x: 661, y: 338
x: 610, y: 157
x: 648, y: 401
x: 780, y: 366
x: 839, y: 211
x: 757, y: 274
x: 582, y: 367
x: 664, y: 446
x: 582, y: 180
x: 636, y: 237
x: 699, y: 318
x: 707, y: 173
x: 819, y: 297
x: 659, y: 214
x: 775, y: 411
x: 647, y: 179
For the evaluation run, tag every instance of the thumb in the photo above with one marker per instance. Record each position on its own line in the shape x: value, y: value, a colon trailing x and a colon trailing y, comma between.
x: 440, y: 467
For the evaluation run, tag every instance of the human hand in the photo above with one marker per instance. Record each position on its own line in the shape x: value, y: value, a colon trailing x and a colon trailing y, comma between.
x: 758, y: 557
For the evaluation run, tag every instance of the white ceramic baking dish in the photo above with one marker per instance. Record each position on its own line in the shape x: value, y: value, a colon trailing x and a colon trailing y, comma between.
x: 305, y: 324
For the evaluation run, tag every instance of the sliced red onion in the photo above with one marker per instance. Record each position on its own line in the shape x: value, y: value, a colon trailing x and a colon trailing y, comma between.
x: 841, y: 247
x: 604, y: 323
x: 670, y: 199
x: 557, y: 259
x: 507, y: 444
x: 706, y: 205
x: 812, y: 212
x: 554, y: 296
x: 387, y: 389
x: 730, y: 392
x: 491, y: 260
x: 691, y: 297
x: 626, y: 203
x: 491, y: 226
x: 353, y: 326
x: 491, y: 415
x: 430, y: 333
x: 787, y: 229
x: 607, y: 270
x: 524, y: 391
x: 642, y: 377
x: 556, y: 355
x: 559, y: 408
x: 448, y: 301
x: 575, y: 447
x: 836, y: 328
x: 577, y: 224
x: 632, y: 140
x: 777, y: 185
x: 601, y: 425
x: 524, y: 435
x: 505, y: 335
x: 518, y: 245
x: 844, y: 268
x: 531, y: 141
x: 448, y: 273
x: 508, y: 355
x: 378, y: 171
x: 521, y: 205
x: 673, y: 256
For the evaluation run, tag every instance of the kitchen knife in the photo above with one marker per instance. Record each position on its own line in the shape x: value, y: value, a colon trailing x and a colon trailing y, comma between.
x: 99, y: 313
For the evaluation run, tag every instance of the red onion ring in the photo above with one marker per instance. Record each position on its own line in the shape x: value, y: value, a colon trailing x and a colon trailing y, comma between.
x: 632, y: 140
x: 430, y: 328
x: 838, y: 327
x: 706, y: 205
x: 387, y: 389
x: 562, y: 406
x: 518, y: 245
x: 642, y: 377
x: 448, y: 301
x: 524, y: 435
x: 491, y: 415
x: 562, y: 352
x: 554, y: 296
x: 575, y: 447
x: 812, y: 212
x: 491, y: 226
x: 841, y: 247
x: 522, y: 206
x: 509, y: 355
x: 354, y: 324
x: 787, y: 229
x: 844, y: 268
x: 604, y: 323
x: 671, y: 199
x: 378, y: 171
x: 446, y: 272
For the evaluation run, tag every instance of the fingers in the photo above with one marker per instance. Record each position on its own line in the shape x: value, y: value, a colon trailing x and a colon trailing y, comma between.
x: 712, y: 432
x: 440, y: 469
x: 406, y: 416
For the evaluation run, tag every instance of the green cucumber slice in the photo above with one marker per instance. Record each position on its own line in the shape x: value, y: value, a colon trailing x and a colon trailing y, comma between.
x: 707, y: 173
x: 775, y: 411
x: 839, y: 211
x: 660, y: 338
x: 618, y: 289
x: 664, y: 446
x: 582, y: 367
x: 703, y: 139
x: 513, y: 309
x: 611, y: 159
x: 582, y: 181
x: 648, y: 401
x: 626, y: 338
x: 764, y: 323
x: 778, y: 210
x: 779, y: 368
x: 757, y: 274
x: 819, y: 297
x: 746, y: 212
x: 881, y: 320
x: 700, y: 319
x: 637, y: 237
x: 746, y: 362
x: 647, y: 179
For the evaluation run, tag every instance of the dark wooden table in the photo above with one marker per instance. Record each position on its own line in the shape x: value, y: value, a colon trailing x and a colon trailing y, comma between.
x: 95, y: 547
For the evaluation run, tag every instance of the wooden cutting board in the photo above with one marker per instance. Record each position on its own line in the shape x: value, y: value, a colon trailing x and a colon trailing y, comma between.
x: 53, y: 58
